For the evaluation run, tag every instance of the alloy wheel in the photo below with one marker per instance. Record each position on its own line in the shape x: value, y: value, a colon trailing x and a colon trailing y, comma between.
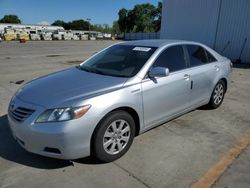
x: 116, y: 136
x: 218, y: 94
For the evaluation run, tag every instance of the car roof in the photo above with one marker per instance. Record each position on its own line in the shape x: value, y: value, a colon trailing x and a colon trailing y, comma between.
x: 156, y: 42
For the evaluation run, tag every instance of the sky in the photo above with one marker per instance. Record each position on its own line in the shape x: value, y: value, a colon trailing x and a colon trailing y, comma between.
x: 47, y: 11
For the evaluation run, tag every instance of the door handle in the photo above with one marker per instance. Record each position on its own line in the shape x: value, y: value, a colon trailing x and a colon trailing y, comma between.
x: 186, y: 77
x: 217, y: 68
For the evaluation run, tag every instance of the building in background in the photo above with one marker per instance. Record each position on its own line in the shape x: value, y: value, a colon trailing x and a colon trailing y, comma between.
x: 223, y: 25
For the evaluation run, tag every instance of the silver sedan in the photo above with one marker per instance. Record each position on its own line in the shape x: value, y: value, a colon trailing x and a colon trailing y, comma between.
x: 98, y: 107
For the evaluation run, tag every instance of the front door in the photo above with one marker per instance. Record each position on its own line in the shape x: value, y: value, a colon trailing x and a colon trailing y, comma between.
x: 166, y: 96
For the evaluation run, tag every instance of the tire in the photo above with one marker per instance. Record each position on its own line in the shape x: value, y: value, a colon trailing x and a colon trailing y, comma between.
x: 217, y: 95
x: 113, y: 136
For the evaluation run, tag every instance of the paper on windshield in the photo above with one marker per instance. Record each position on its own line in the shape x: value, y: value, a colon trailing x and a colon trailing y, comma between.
x: 142, y: 49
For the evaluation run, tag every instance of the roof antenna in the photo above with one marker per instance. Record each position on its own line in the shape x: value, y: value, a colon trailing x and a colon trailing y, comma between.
x: 227, y: 44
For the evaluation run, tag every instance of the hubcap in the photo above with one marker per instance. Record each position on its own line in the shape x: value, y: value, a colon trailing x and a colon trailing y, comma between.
x: 116, y: 137
x: 218, y: 94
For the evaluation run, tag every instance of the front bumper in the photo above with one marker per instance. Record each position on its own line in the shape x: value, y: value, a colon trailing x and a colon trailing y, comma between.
x: 63, y: 140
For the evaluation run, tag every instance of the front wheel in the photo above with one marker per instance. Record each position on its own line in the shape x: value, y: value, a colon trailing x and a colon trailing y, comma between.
x: 113, y: 136
x: 217, y: 95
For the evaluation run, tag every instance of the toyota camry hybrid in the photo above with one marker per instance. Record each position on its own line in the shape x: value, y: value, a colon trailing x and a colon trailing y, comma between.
x: 98, y: 107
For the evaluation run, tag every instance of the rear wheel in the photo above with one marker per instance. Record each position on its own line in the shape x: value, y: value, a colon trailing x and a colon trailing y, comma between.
x: 113, y: 136
x: 217, y: 95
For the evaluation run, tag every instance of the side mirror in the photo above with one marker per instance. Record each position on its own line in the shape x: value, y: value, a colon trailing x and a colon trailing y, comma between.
x: 158, y: 72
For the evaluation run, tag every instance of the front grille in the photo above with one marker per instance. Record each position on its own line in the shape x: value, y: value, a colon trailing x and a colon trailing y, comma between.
x: 20, y: 114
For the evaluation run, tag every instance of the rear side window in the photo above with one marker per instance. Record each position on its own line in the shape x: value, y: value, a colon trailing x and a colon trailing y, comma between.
x: 172, y: 58
x: 199, y: 56
x: 210, y: 57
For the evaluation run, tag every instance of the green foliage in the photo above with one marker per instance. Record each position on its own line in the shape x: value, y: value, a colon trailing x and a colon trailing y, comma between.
x: 102, y: 28
x: 84, y: 25
x: 142, y: 18
x: 157, y: 15
x: 123, y: 19
x: 59, y: 23
x: 79, y: 25
x: 115, y: 28
x: 10, y: 19
x: 105, y: 28
x: 74, y: 25
x: 96, y: 27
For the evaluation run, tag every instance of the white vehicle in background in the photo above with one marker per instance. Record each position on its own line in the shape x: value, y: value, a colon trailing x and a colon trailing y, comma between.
x: 46, y: 35
x: 58, y: 34
x: 67, y: 35
x: 34, y: 35
x: 75, y: 37
x: 99, y: 36
x: 92, y: 38
x: 84, y: 37
x: 107, y: 36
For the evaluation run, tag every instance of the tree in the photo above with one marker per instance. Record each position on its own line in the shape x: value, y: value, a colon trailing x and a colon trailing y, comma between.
x: 61, y: 23
x: 82, y: 25
x: 79, y: 25
x: 96, y: 27
x: 115, y: 28
x: 73, y: 25
x: 106, y: 28
x: 142, y: 18
x: 122, y: 21
x: 10, y: 19
x: 157, y: 14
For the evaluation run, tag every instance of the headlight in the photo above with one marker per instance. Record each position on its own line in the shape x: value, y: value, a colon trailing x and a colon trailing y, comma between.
x: 62, y: 114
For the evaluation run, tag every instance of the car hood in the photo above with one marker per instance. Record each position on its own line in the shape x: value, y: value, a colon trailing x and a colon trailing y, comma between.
x: 65, y: 87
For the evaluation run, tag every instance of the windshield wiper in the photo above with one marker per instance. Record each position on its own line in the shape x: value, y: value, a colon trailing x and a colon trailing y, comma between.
x: 89, y: 69
x: 119, y: 75
x: 96, y: 71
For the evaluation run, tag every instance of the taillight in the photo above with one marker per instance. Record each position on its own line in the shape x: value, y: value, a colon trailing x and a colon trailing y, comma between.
x: 231, y: 66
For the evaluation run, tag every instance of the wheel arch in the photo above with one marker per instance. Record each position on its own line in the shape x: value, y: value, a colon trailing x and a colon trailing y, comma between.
x: 135, y: 116
x: 225, y: 81
x: 127, y: 109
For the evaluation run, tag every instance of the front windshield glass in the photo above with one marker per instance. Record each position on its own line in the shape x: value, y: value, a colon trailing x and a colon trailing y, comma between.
x: 119, y: 60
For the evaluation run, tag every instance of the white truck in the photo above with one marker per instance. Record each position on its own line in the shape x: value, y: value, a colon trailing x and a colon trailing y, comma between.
x: 34, y: 35
x: 58, y: 34
x: 67, y: 35
x: 46, y: 35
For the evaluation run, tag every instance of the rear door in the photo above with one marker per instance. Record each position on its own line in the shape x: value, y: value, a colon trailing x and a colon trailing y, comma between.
x: 203, y: 69
x: 166, y: 96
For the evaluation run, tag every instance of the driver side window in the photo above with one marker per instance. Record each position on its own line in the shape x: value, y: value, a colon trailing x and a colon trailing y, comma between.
x: 171, y: 58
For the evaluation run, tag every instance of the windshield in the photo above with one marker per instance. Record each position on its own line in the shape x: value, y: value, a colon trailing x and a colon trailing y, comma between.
x: 119, y: 60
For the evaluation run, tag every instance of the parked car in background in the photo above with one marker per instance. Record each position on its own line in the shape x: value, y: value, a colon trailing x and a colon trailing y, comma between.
x: 98, y: 107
